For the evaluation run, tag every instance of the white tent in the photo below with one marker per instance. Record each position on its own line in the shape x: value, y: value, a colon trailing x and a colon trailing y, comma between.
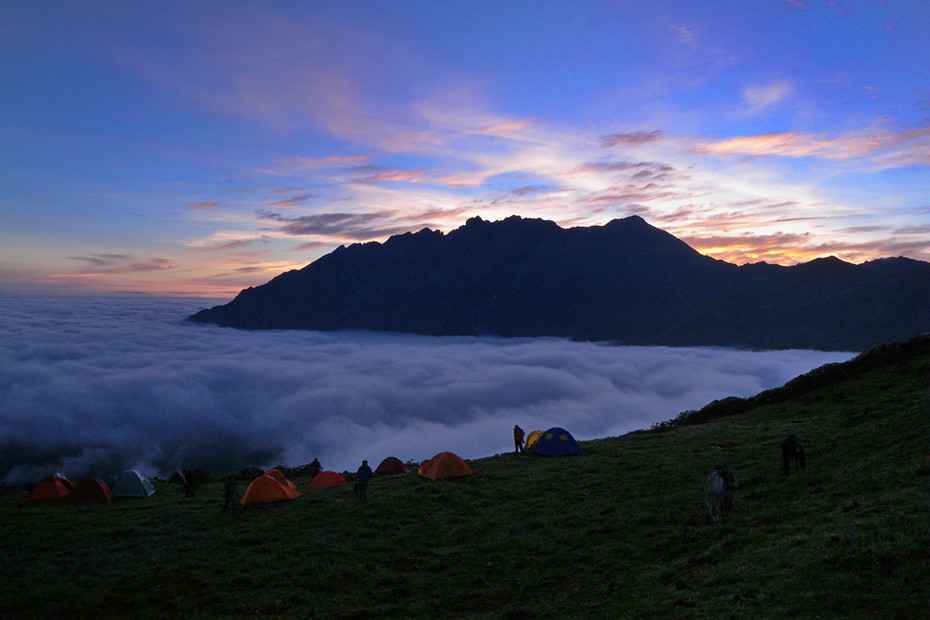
x: 131, y: 483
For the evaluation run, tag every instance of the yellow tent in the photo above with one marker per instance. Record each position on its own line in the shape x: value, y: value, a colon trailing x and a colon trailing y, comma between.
x: 533, y: 438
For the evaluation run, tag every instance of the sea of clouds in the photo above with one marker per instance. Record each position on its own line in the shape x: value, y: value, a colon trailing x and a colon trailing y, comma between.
x: 93, y: 385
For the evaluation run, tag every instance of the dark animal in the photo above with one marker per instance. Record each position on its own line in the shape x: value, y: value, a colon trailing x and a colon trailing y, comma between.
x: 792, y: 453
x: 719, y: 492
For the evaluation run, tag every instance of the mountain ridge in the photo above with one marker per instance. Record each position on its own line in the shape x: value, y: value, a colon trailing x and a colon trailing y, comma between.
x: 625, y: 281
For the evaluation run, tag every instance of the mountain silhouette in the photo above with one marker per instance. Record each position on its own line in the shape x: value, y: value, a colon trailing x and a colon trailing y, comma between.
x: 625, y: 281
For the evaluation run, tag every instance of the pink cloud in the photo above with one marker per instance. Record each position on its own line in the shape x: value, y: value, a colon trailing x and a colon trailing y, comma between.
x: 232, y: 244
x: 794, y: 144
x: 620, y: 166
x: 504, y: 127
x: 887, y: 149
x: 293, y: 201
x: 375, y: 174
x: 631, y: 138
x: 529, y: 190
x: 312, y: 246
x: 635, y: 196
x: 97, y: 265
x: 463, y: 179
x: 790, y: 248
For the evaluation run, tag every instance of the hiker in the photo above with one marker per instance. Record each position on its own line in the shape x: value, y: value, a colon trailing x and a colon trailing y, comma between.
x: 362, y: 476
x: 187, y: 479
x: 315, y: 468
x: 719, y: 492
x: 231, y: 495
x: 792, y: 453
x: 517, y: 439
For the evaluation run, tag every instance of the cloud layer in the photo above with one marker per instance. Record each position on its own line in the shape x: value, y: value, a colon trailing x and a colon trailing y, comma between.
x: 94, y: 385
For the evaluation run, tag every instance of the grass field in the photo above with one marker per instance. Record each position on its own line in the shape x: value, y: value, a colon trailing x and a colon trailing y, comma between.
x: 619, y: 532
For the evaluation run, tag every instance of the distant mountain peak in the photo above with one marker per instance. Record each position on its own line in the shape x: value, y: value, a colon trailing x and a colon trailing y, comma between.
x: 628, y: 221
x: 625, y: 281
x: 829, y: 260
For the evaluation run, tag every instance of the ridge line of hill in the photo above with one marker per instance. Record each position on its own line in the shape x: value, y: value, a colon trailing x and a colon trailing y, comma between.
x: 626, y: 281
x: 828, y: 374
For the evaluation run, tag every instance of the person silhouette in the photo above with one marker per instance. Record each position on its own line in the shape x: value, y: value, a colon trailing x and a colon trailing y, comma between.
x: 187, y: 479
x: 231, y: 495
x: 362, y: 476
x: 517, y: 439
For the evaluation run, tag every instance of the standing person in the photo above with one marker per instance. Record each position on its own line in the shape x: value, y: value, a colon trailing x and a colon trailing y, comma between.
x: 187, y: 478
x: 517, y: 439
x: 362, y: 476
x: 315, y: 468
x: 230, y: 495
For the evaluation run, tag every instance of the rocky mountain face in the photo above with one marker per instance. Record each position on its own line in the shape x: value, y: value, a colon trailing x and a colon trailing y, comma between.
x: 625, y: 281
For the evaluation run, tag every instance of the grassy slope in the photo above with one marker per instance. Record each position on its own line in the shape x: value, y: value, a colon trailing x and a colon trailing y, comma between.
x: 618, y: 532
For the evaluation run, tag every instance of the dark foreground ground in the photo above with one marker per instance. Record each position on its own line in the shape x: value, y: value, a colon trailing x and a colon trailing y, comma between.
x: 619, y: 532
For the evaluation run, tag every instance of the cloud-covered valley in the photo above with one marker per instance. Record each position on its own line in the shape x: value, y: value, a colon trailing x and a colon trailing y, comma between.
x: 97, y: 384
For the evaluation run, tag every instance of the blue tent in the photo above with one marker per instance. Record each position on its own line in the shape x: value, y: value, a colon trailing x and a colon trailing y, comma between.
x: 556, y: 442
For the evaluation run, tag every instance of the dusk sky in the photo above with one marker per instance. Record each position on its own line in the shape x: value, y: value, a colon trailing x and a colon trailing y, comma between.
x: 202, y: 150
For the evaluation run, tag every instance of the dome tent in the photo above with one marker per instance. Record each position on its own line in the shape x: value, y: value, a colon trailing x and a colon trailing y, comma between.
x: 391, y: 466
x: 131, y: 483
x: 532, y: 438
x: 327, y: 479
x: 63, y: 479
x: 278, y: 475
x: 444, y: 466
x: 91, y: 491
x: 268, y: 490
x: 556, y: 442
x: 51, y: 489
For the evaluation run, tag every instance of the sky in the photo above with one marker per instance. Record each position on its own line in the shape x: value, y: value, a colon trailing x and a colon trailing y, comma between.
x: 109, y: 382
x: 199, y: 148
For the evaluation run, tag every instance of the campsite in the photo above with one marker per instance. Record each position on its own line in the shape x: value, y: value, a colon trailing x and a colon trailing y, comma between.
x: 495, y: 310
x: 618, y: 531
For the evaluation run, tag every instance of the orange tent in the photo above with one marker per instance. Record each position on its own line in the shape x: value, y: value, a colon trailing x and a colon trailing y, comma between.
x: 91, y: 491
x: 278, y: 475
x: 443, y: 466
x: 391, y: 466
x: 63, y: 479
x: 327, y: 479
x: 267, y: 489
x: 51, y: 489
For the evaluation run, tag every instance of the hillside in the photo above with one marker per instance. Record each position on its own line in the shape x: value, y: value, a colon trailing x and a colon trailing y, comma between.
x: 625, y: 281
x: 618, y: 532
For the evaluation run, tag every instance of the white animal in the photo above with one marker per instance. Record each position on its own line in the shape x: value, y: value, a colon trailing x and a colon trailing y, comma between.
x: 719, y: 489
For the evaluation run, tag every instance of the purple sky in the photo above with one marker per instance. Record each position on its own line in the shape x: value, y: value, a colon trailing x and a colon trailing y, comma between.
x: 200, y: 148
